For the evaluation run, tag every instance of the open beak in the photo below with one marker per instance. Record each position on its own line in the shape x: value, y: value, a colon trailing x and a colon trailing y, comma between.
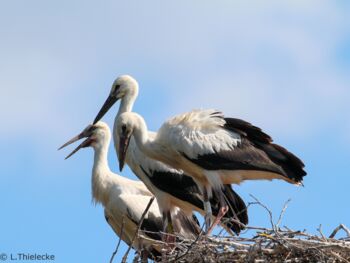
x: 86, y: 133
x: 123, y: 147
x: 84, y: 144
x: 106, y: 106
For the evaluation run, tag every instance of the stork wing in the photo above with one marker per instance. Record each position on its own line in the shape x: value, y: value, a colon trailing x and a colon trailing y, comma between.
x: 187, y: 226
x: 133, y: 206
x: 198, y: 132
x: 126, y: 231
x: 253, y: 152
x: 176, y: 184
x: 143, y: 190
x: 163, y: 177
x: 214, y: 142
x: 237, y: 209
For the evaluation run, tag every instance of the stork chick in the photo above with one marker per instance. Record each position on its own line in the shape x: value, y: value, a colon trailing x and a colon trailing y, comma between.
x: 125, y: 200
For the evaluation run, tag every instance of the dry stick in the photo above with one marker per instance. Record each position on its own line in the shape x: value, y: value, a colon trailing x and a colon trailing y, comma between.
x: 340, y: 257
x: 190, y: 247
x: 235, y: 218
x: 341, y: 226
x: 223, y: 230
x: 282, y: 213
x: 320, y: 250
x: 275, y: 227
x: 319, y: 229
x: 269, y: 245
x: 138, y: 229
x: 120, y: 239
x: 267, y: 209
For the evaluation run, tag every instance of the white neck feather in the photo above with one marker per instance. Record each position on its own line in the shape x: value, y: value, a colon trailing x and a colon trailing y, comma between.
x: 144, y: 142
x: 101, y: 174
x: 127, y: 103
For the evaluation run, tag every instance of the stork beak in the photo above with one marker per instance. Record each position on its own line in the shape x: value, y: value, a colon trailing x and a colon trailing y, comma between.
x: 106, y: 106
x: 123, y: 147
x: 85, y: 143
x: 85, y: 133
x: 74, y: 139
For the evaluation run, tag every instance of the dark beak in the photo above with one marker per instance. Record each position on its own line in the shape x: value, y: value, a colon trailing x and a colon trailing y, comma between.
x: 73, y: 140
x: 85, y: 133
x: 84, y: 144
x: 123, y: 147
x: 106, y: 106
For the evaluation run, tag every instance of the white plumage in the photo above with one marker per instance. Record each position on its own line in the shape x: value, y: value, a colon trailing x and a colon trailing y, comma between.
x: 176, y: 190
x: 125, y: 200
x: 214, y: 150
x: 197, y: 132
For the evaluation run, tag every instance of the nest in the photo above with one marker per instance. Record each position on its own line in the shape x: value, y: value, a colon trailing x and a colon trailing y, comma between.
x: 274, y: 244
x: 268, y: 245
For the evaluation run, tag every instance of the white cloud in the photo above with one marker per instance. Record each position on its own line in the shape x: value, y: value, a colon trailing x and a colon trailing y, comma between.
x: 59, y: 61
x: 284, y: 76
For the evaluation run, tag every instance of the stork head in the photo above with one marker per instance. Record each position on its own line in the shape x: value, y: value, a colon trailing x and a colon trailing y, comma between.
x: 124, y: 87
x: 97, y: 136
x: 127, y: 124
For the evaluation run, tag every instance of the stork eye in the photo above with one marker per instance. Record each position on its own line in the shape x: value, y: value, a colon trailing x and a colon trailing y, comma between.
x: 115, y: 90
x: 124, y: 128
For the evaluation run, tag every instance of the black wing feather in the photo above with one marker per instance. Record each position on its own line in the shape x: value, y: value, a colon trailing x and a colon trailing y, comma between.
x: 255, y: 152
x: 291, y: 165
x: 185, y: 188
x: 179, y: 185
x: 237, y: 208
x: 244, y: 157
x: 246, y: 129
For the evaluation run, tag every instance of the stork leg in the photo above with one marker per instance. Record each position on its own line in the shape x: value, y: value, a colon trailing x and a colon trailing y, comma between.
x: 208, y: 211
x: 223, y: 210
x: 169, y: 229
x: 168, y: 236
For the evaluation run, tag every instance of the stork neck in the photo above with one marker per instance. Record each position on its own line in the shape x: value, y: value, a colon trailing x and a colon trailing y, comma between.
x: 101, y: 180
x: 101, y: 159
x: 146, y: 144
x: 126, y: 104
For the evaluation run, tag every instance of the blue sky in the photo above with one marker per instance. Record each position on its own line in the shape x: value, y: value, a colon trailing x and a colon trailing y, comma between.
x: 283, y: 65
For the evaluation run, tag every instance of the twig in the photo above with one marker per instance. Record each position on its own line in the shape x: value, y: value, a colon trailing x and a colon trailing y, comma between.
x: 119, y: 241
x: 341, y: 226
x: 282, y: 213
x: 267, y: 209
x: 138, y: 229
x: 273, y: 244
x: 190, y: 247
x: 319, y: 229
x: 340, y: 257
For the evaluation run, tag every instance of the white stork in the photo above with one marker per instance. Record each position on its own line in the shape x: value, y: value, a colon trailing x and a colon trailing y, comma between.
x: 125, y: 200
x: 171, y: 187
x: 213, y: 149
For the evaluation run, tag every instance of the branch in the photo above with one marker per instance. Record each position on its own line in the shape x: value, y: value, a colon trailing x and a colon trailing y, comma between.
x: 138, y: 229
x: 120, y: 239
x: 282, y: 213
x: 341, y: 226
x: 272, y: 244
x: 266, y: 208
